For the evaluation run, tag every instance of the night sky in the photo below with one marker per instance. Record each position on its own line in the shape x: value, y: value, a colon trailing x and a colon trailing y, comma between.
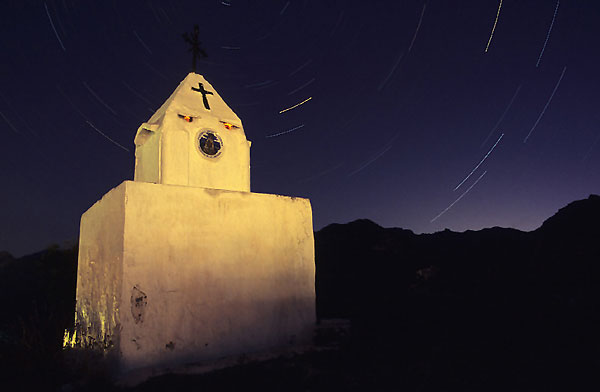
x: 405, y: 102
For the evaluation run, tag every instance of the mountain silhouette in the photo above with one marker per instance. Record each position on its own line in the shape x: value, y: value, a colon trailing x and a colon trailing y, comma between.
x: 521, y: 308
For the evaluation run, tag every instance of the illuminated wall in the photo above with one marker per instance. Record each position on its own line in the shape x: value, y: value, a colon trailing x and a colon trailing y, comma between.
x: 173, y: 274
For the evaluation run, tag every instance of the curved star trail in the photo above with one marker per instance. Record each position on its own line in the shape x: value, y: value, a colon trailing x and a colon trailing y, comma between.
x: 301, y: 87
x: 493, y: 27
x: 10, y: 124
x: 142, y: 42
x: 54, y: 29
x: 301, y: 67
x: 417, y: 30
x: 369, y: 161
x: 389, y: 75
x: 480, y: 162
x: 288, y: 131
x: 296, y: 105
x: 548, y: 34
x: 502, y: 116
x: 457, y: 200
x: 546, y: 106
x: 106, y: 136
x: 99, y: 99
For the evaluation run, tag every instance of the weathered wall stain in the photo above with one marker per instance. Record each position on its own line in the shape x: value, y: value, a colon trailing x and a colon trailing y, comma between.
x: 137, y: 345
x: 139, y: 300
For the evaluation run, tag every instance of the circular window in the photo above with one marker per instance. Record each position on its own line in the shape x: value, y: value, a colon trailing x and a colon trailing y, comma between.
x: 210, y: 144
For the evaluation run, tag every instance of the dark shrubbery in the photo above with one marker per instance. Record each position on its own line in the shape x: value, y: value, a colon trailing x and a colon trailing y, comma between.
x: 38, y: 293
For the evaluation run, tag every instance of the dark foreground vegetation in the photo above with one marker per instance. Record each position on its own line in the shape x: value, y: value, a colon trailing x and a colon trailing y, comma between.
x: 492, y: 310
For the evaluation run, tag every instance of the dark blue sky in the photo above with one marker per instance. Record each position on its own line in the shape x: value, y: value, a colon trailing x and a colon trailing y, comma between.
x: 405, y: 103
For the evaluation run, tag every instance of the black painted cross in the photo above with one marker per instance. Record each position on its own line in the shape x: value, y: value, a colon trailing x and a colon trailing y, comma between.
x: 204, y: 93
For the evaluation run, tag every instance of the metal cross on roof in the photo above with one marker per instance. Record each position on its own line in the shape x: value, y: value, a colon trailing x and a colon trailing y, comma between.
x: 197, y: 51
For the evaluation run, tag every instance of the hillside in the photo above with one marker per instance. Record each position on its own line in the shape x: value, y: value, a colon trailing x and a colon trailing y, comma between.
x: 463, y: 309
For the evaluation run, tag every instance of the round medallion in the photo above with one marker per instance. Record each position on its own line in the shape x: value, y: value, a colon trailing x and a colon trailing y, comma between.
x: 210, y: 144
